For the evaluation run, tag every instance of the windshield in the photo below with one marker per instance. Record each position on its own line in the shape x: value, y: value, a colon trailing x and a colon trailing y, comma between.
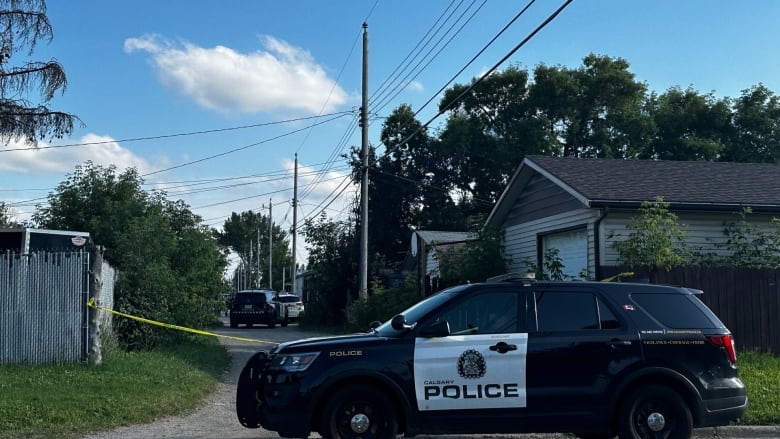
x: 420, y: 310
x: 289, y: 299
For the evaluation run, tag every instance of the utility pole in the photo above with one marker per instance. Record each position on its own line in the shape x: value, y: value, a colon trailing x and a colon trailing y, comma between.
x: 250, y: 262
x: 259, y: 273
x: 270, y: 245
x: 294, y: 270
x: 363, y: 293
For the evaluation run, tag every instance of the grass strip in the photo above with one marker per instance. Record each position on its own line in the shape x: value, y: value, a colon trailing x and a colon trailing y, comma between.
x: 761, y: 374
x: 68, y: 401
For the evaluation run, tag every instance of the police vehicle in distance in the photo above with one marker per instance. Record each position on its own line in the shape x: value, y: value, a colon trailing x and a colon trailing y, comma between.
x: 595, y: 359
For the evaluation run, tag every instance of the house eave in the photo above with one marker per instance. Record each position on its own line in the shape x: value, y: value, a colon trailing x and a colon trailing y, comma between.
x: 700, y: 206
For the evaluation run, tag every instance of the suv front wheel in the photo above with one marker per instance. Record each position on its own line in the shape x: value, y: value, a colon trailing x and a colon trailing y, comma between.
x: 359, y: 412
x: 655, y: 411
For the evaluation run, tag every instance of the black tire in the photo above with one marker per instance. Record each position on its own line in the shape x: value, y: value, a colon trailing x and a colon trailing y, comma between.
x: 272, y: 322
x: 233, y: 324
x: 249, y: 325
x: 661, y: 403
x: 359, y: 413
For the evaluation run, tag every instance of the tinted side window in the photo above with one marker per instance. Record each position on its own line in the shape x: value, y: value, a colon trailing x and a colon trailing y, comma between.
x: 492, y: 312
x: 607, y: 317
x: 565, y: 311
x: 676, y: 311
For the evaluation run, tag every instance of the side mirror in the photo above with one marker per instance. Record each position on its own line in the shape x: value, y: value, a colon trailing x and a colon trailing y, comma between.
x: 437, y: 329
x: 399, y: 323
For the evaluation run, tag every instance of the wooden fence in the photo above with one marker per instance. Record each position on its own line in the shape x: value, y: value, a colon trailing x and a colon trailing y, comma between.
x: 747, y: 300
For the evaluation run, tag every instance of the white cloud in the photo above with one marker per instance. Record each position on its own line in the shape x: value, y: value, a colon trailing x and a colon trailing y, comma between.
x: 102, y: 150
x: 219, y: 78
x: 416, y: 86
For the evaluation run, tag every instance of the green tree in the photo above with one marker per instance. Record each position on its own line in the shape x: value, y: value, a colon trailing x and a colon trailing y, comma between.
x: 655, y: 238
x: 8, y: 216
x: 242, y: 231
x: 757, y: 127
x: 486, y: 135
x: 595, y: 110
x: 689, y: 126
x: 25, y: 89
x: 479, y: 259
x: 332, y: 258
x: 395, y: 185
x: 169, y: 265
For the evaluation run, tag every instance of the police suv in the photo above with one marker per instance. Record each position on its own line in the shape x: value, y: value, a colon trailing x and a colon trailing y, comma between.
x: 591, y: 358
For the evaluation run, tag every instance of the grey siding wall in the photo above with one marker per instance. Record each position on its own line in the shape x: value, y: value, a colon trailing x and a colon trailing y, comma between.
x: 704, y: 230
x: 541, y: 198
x: 520, y: 239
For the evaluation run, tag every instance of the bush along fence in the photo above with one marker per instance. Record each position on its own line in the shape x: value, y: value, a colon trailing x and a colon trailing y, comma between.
x: 747, y: 300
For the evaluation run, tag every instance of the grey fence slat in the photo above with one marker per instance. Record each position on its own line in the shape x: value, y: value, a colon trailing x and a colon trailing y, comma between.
x: 43, y: 306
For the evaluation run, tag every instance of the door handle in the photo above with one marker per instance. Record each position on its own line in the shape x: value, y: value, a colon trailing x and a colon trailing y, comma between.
x: 619, y: 343
x: 503, y: 348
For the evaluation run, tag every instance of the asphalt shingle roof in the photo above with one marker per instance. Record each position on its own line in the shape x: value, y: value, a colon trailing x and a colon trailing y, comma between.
x: 718, y: 183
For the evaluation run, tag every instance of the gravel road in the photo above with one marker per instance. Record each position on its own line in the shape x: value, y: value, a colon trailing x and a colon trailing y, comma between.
x: 216, y: 417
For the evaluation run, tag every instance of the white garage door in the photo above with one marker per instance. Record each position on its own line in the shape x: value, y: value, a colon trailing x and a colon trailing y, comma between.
x: 572, y: 249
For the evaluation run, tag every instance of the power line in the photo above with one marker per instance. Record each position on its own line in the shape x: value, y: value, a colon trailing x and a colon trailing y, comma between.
x: 248, y: 197
x: 450, y: 104
x: 474, y: 58
x: 379, y: 92
x: 407, y: 79
x: 243, y: 147
x: 167, y: 136
x: 481, y: 78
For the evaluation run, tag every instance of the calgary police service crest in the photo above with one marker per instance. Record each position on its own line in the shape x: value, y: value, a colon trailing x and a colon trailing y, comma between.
x: 471, y: 364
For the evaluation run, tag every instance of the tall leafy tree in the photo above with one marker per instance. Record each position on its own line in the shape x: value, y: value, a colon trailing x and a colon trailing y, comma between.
x: 395, y: 184
x: 98, y: 200
x: 241, y: 233
x: 170, y: 266
x: 333, y: 249
x: 591, y: 111
x: 595, y: 110
x: 689, y: 125
x: 7, y: 216
x: 408, y: 188
x: 26, y: 89
x: 756, y: 127
x: 486, y: 135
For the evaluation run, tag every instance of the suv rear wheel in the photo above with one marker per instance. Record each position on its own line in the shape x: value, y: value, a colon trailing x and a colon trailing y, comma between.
x: 359, y: 412
x: 654, y: 411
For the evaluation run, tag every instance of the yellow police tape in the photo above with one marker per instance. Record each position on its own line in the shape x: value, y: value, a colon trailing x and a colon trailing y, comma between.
x: 91, y: 304
x: 618, y: 276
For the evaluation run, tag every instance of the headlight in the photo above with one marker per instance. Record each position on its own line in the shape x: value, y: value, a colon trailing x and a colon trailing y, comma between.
x: 294, y: 362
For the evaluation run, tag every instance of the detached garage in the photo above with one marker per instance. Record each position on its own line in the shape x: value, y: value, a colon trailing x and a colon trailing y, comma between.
x: 581, y: 207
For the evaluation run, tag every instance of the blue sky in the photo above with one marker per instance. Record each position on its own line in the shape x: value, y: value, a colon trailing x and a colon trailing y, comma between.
x: 260, y: 81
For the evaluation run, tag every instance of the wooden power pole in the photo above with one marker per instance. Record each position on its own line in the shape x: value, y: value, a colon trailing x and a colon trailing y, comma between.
x: 364, y: 171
